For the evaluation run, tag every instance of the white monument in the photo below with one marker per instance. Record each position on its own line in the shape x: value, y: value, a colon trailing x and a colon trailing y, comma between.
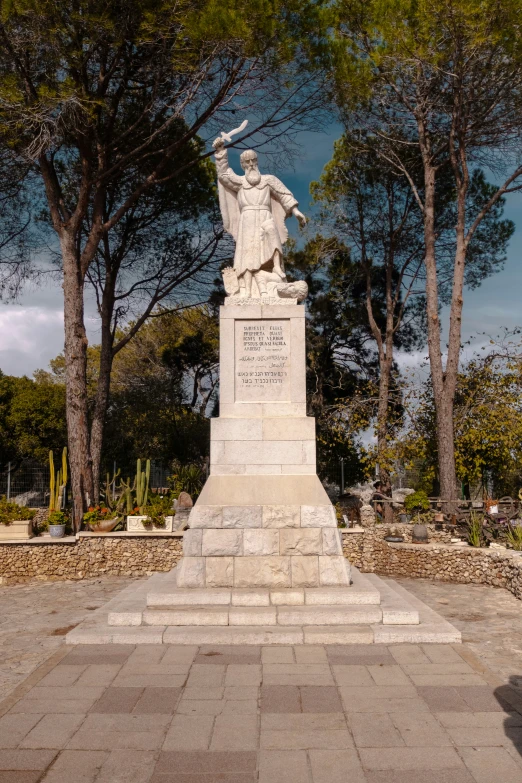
x: 263, y: 519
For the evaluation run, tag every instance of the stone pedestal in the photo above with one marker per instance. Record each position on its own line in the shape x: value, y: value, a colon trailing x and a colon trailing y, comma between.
x: 263, y: 518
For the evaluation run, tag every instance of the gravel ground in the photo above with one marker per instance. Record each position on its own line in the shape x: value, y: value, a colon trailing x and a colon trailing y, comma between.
x: 489, y: 618
x: 34, y: 619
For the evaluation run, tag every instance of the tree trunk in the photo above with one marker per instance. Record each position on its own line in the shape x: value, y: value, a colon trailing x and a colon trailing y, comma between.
x: 76, y: 382
x: 382, y: 434
x: 443, y: 397
x: 104, y: 384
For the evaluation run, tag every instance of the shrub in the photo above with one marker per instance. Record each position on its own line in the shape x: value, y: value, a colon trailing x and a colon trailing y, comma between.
x: 416, y: 502
x: 57, y: 518
x: 10, y: 512
x: 158, y: 507
x: 474, y: 532
x: 514, y: 537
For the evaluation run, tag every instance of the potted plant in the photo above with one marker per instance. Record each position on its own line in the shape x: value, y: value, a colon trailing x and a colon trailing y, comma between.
x: 101, y: 519
x: 158, y: 514
x: 16, y: 522
x: 57, y: 521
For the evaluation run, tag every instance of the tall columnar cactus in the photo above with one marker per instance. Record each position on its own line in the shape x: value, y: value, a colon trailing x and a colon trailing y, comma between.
x: 142, y: 483
x: 58, y: 482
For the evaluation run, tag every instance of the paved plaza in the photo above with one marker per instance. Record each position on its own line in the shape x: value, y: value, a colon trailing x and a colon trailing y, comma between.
x: 306, y: 714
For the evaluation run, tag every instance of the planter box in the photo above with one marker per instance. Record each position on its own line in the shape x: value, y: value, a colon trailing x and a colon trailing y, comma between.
x: 135, y: 525
x: 20, y: 529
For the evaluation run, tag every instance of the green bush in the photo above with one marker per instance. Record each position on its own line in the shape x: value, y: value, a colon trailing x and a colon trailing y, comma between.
x: 10, y: 512
x: 57, y: 518
x: 416, y: 502
x: 514, y: 537
x: 474, y: 530
x: 158, y: 507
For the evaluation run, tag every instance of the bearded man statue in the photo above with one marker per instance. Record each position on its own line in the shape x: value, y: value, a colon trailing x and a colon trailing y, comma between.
x: 254, y: 208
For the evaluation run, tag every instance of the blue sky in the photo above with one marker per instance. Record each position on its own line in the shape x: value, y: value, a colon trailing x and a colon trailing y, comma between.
x: 31, y: 331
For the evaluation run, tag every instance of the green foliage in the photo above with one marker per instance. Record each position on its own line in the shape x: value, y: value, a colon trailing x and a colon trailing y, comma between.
x: 514, y: 537
x: 57, y: 518
x: 158, y: 507
x: 474, y: 530
x: 417, y: 501
x: 187, y: 478
x: 32, y: 418
x: 12, y: 512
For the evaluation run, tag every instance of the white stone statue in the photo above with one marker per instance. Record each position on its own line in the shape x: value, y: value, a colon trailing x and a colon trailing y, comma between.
x: 254, y: 209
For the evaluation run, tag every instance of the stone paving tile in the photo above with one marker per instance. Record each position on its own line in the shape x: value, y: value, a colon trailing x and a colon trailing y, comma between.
x: 223, y: 777
x: 408, y: 654
x: 63, y: 675
x: 420, y: 730
x: 479, y: 720
x: 189, y: 732
x: 412, y: 776
x: 363, y: 700
x: 297, y: 674
x: 410, y: 758
x: 202, y: 706
x: 447, y: 680
x: 177, y: 654
x: 202, y: 676
x: 277, y: 655
x: 203, y: 693
x: 148, y: 653
x: 117, y: 700
x: 388, y: 675
x: 355, y: 676
x: 127, y: 766
x: 486, y: 737
x: 441, y: 653
x: 483, y: 699
x: 359, y: 654
x: 227, y: 654
x: 336, y: 766
x: 240, y: 707
x: 148, y: 680
x: 19, y: 777
x: 320, y: 699
x: 243, y: 675
x: 239, y: 693
x: 158, y: 701
x: 374, y: 730
x: 235, y: 732
x: 53, y: 731
x: 98, y: 654
x: 491, y: 765
x: 208, y: 762
x: 284, y: 766
x: 310, y: 653
x: 78, y: 766
x: 13, y: 728
x: 280, y: 698
x: 294, y: 732
x: 26, y: 759
x: 443, y: 699
x: 119, y: 732
x: 52, y: 706
x: 437, y: 668
x: 99, y: 674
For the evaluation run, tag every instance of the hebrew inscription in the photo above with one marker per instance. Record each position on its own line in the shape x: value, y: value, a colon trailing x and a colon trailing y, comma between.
x: 262, y: 360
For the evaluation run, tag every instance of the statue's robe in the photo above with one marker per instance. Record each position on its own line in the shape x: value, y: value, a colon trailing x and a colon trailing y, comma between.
x: 254, y: 215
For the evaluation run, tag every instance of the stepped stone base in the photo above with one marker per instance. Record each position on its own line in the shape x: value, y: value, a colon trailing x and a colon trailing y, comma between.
x: 370, y: 610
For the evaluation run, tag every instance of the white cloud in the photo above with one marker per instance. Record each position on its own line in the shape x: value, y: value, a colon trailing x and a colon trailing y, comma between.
x: 29, y: 338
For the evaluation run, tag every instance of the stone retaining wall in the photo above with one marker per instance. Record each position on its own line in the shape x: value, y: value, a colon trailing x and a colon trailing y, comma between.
x: 88, y: 557
x: 448, y: 562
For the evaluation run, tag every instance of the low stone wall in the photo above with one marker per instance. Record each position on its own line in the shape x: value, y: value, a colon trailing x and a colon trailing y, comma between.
x: 448, y: 562
x: 88, y: 557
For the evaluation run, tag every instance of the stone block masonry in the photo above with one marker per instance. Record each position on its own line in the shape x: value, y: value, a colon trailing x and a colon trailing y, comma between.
x: 88, y: 557
x: 437, y: 560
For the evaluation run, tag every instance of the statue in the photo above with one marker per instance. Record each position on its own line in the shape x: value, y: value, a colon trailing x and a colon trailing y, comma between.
x: 254, y: 209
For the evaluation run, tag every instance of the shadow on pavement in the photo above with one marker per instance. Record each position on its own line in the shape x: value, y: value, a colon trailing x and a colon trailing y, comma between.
x: 509, y: 697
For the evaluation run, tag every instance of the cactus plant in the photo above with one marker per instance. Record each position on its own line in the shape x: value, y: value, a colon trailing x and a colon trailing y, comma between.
x: 58, y: 482
x: 142, y: 483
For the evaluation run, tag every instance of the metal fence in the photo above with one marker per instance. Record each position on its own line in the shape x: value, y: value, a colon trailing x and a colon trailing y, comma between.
x: 26, y: 484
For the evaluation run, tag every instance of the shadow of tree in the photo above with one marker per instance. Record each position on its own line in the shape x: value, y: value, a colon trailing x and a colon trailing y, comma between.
x: 509, y: 696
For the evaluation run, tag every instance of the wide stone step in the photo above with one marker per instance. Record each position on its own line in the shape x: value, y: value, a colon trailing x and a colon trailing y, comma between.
x: 258, y: 615
x: 396, y: 609
x: 363, y: 594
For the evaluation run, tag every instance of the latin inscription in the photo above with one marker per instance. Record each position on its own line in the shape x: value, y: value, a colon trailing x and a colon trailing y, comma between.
x: 262, y: 361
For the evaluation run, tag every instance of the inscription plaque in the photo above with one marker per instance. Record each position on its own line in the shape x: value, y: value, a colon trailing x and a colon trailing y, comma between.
x: 262, y: 360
